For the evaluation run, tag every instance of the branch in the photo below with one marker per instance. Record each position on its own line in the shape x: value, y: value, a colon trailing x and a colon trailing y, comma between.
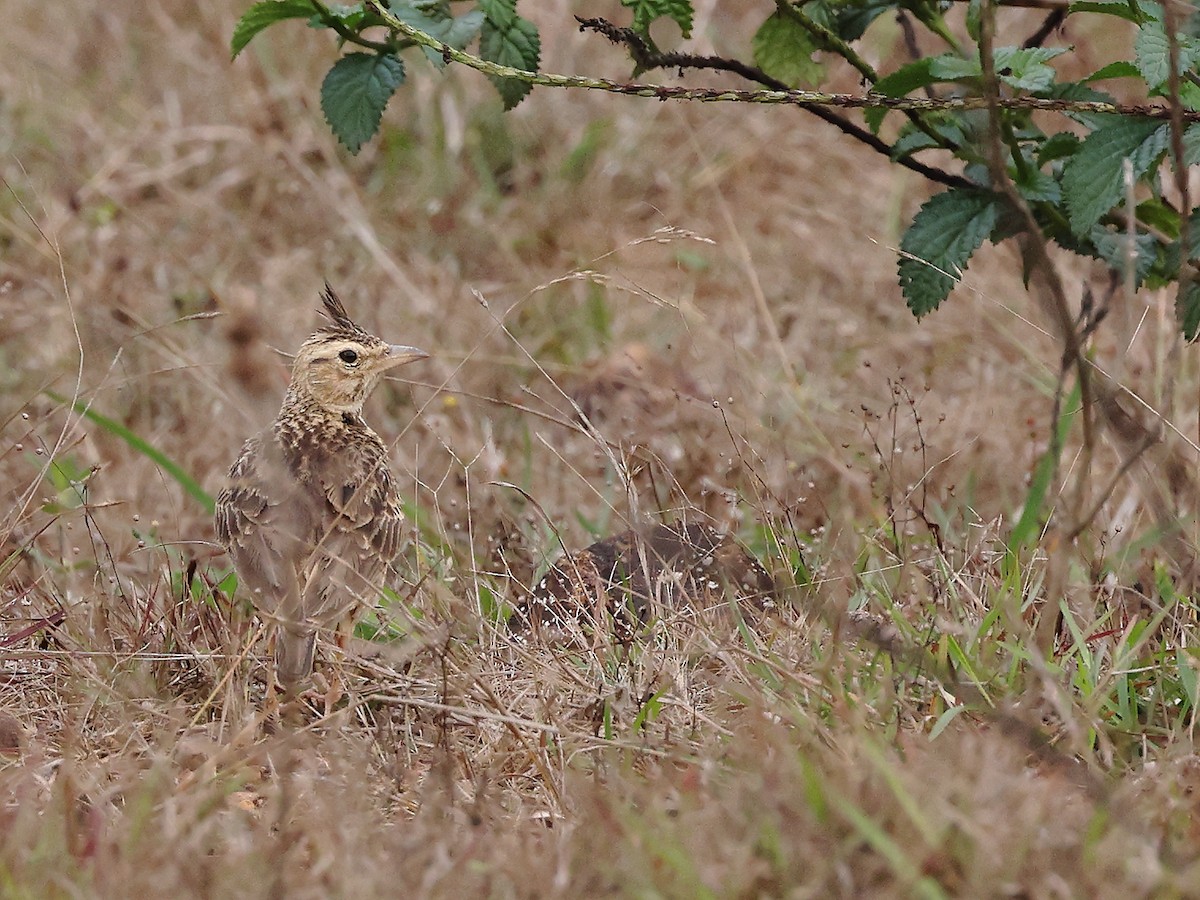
x: 644, y: 57
x: 1052, y: 21
x: 329, y: 20
x: 772, y: 97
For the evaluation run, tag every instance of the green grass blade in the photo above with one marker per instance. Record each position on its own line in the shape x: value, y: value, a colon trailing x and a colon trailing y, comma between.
x: 142, y: 446
x: 1028, y: 527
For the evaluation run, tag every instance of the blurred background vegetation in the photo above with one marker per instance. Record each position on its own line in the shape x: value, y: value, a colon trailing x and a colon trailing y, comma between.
x: 715, y: 287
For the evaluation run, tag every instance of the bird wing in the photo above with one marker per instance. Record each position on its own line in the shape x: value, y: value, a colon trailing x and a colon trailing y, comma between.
x: 257, y: 522
x: 362, y: 536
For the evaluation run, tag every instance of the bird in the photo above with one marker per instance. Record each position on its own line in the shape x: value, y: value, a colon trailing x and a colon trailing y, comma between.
x: 619, y: 581
x: 310, y: 514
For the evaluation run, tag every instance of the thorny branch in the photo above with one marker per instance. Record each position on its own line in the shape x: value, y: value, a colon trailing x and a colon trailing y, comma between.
x: 788, y: 97
x: 646, y: 58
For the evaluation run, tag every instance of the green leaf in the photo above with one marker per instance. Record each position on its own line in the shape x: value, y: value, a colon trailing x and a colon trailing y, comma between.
x: 436, y: 21
x: 646, y: 11
x: 952, y: 67
x: 1074, y: 90
x: 501, y: 13
x: 1187, y: 676
x: 1119, y: 69
x: 1152, y: 53
x: 1113, y: 247
x: 355, y: 92
x: 906, y: 79
x: 1171, y: 257
x: 1189, y: 95
x: 1029, y: 524
x: 1038, y: 186
x: 1187, y: 311
x: 1122, y: 8
x: 353, y: 15
x: 851, y: 21
x: 1155, y: 213
x: 973, y: 10
x: 142, y: 446
x: 910, y: 142
x: 783, y: 48
x: 260, y: 15
x: 1093, y: 179
x: 946, y: 231
x: 511, y: 42
x: 1191, y: 144
x: 903, y: 81
x: 1058, y: 146
x: 1023, y: 68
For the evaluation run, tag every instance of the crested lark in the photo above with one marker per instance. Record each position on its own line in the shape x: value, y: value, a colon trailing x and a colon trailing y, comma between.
x: 311, y: 514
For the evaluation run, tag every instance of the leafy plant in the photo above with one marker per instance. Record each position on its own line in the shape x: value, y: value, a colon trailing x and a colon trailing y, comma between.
x: 360, y: 84
x: 1094, y: 187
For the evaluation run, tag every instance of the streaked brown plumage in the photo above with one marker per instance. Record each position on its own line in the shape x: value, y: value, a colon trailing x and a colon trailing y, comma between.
x: 624, y: 578
x: 311, y: 514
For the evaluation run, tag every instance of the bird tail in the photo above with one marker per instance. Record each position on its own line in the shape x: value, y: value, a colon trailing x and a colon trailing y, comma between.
x: 294, y: 649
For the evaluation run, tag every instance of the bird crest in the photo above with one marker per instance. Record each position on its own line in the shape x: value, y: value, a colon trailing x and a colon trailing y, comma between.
x: 340, y: 323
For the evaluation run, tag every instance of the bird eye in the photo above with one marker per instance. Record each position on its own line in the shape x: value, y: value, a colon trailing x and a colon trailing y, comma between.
x: 348, y: 356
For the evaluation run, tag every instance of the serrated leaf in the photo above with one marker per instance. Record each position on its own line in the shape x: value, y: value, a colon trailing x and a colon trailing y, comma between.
x: 951, y: 67
x: 822, y: 13
x: 1122, y: 8
x: 355, y: 92
x: 1187, y: 310
x: 897, y: 84
x: 1151, y: 50
x: 783, y: 49
x: 1040, y: 186
x: 1152, y: 53
x: 646, y: 11
x: 517, y: 46
x: 973, y: 10
x: 1074, y: 90
x: 1023, y: 68
x: 501, y: 13
x: 906, y: 79
x: 1171, y: 257
x: 436, y: 21
x: 1189, y: 95
x: 1158, y: 214
x: 1114, y: 248
x: 1119, y: 69
x: 1191, y: 144
x: 352, y: 15
x: 851, y: 21
x: 260, y: 15
x: 1093, y: 179
x: 1058, y: 146
x: 912, y: 140
x: 943, y: 235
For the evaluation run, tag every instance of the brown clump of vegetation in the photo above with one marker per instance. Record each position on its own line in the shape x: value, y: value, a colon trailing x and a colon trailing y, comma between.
x: 731, y: 330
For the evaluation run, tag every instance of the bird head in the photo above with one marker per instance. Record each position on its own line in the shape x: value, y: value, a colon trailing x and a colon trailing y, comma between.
x: 340, y: 364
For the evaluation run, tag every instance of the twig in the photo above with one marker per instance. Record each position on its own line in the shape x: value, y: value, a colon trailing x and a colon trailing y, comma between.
x: 1044, y: 31
x: 789, y: 97
x: 645, y: 58
x: 1149, y: 439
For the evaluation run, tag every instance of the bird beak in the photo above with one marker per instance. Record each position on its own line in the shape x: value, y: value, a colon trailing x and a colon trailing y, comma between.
x: 399, y: 355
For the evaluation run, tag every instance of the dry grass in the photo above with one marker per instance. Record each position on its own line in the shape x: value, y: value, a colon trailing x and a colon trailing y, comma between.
x: 714, y: 286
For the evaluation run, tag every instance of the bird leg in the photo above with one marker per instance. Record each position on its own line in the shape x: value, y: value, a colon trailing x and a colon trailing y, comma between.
x: 337, y: 688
